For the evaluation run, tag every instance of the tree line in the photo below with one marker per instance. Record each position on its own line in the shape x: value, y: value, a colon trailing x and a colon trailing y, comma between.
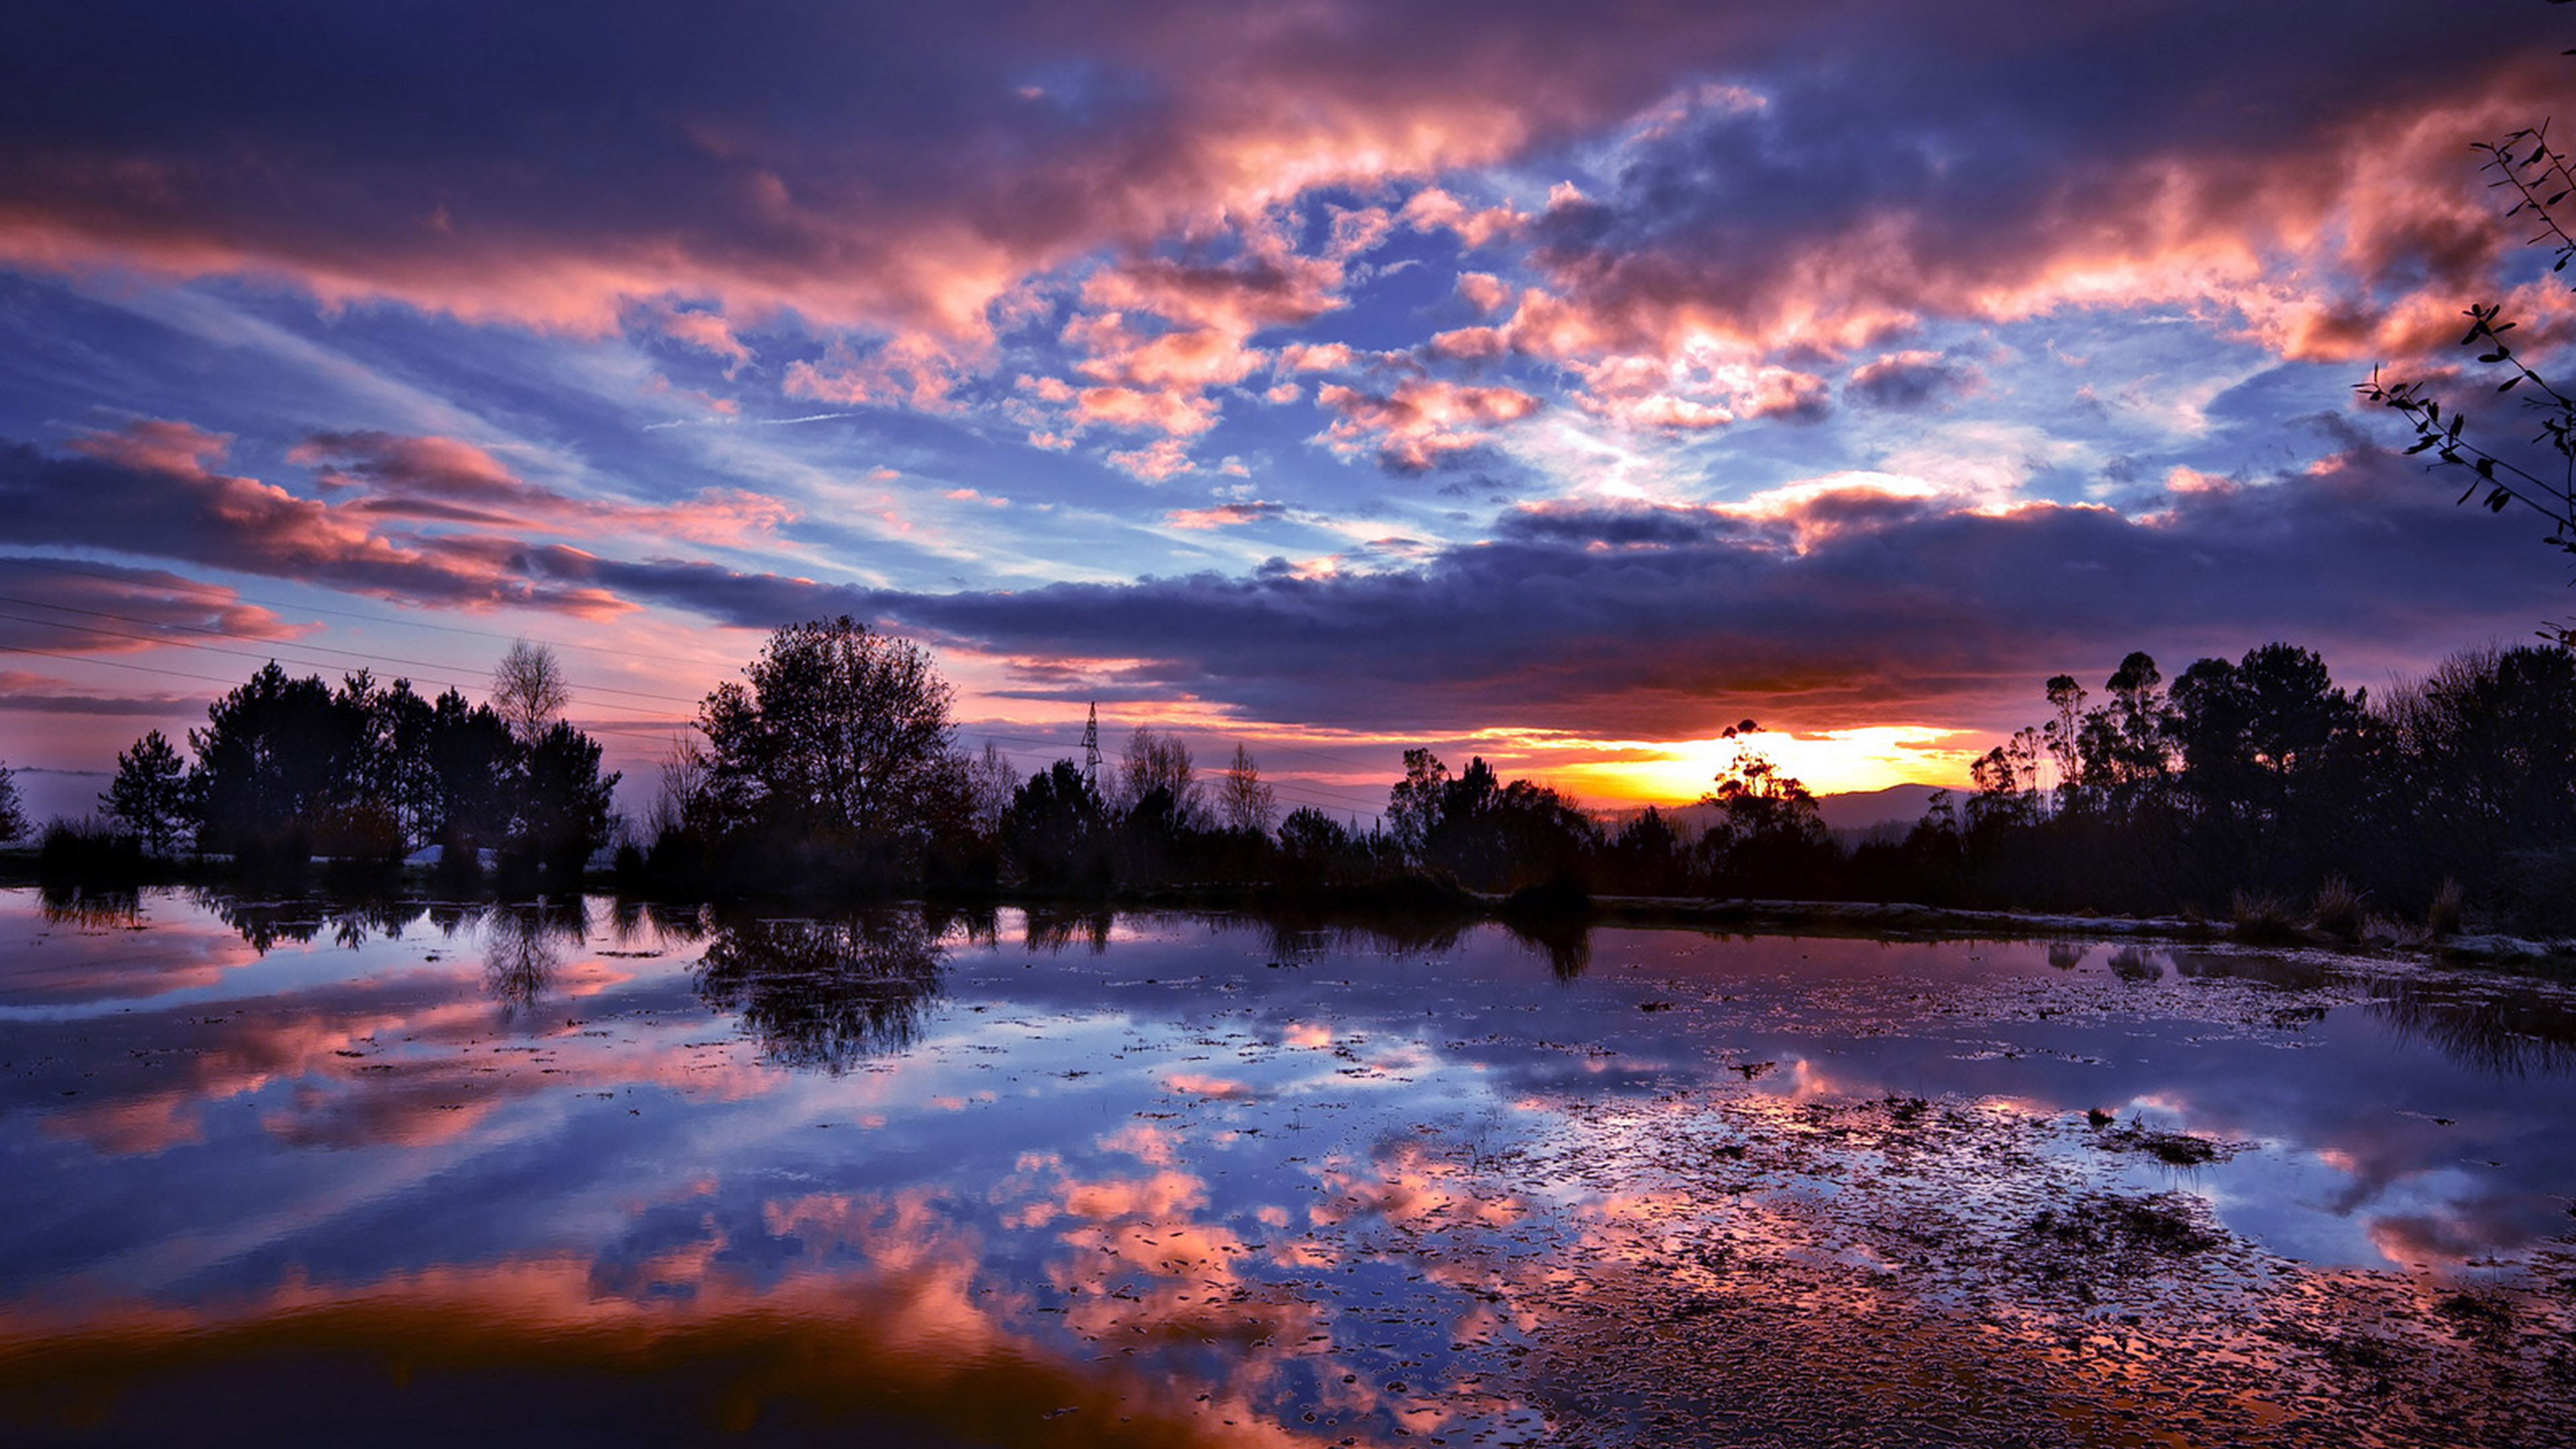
x: 833, y: 770
x: 363, y: 775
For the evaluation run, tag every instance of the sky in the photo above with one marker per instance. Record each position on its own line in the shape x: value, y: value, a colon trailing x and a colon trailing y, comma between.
x: 1556, y: 383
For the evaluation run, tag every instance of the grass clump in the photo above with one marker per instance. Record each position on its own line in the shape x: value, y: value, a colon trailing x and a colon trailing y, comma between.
x: 2262, y: 917
x: 2339, y: 911
x: 2442, y: 917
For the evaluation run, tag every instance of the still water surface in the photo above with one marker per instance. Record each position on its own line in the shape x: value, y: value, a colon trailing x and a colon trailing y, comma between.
x: 405, y: 1175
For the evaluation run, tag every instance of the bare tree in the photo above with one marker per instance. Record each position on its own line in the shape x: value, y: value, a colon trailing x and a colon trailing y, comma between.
x: 1243, y: 800
x: 529, y: 689
x: 684, y: 778
x: 1158, y: 761
x: 992, y: 781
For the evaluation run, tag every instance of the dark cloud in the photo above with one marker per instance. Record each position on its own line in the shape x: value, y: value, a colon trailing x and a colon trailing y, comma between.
x: 1851, y: 610
x: 150, y: 489
x: 2005, y: 159
x: 887, y: 163
x: 1906, y: 380
x: 902, y: 166
x: 28, y: 693
x: 81, y: 606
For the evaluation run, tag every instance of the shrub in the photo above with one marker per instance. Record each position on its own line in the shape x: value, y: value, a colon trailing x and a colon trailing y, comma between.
x: 2442, y: 917
x: 2338, y: 910
x: 2262, y: 917
x: 90, y: 852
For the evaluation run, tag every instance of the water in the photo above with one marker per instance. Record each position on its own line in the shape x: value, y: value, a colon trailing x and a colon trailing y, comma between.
x: 579, y: 1174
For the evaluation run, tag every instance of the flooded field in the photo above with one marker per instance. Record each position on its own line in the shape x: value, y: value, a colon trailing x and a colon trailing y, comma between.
x: 410, y: 1175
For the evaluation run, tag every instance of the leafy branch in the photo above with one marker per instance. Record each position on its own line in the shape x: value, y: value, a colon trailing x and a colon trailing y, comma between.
x: 2541, y: 180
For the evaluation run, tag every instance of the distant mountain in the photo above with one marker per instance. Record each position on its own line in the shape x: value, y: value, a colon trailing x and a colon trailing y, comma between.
x: 1861, y: 809
x: 45, y: 794
x: 1848, y: 814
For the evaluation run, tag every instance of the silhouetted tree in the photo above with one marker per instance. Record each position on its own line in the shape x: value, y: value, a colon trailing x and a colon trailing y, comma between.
x: 1158, y: 761
x: 1413, y: 805
x: 1058, y: 831
x: 561, y: 813
x: 150, y: 793
x: 274, y: 760
x: 529, y: 689
x: 840, y: 732
x: 1769, y: 839
x: 1647, y: 857
x: 1313, y: 846
x: 13, y: 815
x: 1243, y: 801
x: 1499, y: 837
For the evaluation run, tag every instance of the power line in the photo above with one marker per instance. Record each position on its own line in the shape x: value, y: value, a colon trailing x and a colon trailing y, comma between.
x: 230, y: 596
x: 158, y: 639
x: 1306, y: 793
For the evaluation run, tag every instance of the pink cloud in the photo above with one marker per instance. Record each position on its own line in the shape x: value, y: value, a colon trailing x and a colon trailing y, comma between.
x: 1420, y: 421
x: 150, y: 487
x: 444, y: 480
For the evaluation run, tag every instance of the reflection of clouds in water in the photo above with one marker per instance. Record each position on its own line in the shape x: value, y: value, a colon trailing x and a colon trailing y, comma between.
x: 1064, y: 1226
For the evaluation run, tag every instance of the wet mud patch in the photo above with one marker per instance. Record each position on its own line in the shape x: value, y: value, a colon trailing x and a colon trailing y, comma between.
x: 1756, y: 1256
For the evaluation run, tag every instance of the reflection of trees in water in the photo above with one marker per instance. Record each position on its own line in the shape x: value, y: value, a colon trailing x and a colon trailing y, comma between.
x: 2510, y: 1034
x: 2298, y: 975
x: 1567, y: 945
x: 826, y: 993
x: 1051, y: 930
x: 2067, y: 955
x: 634, y: 924
x: 351, y: 924
x: 975, y: 925
x: 2132, y: 964
x: 523, y: 947
x: 63, y: 905
x: 1301, y: 936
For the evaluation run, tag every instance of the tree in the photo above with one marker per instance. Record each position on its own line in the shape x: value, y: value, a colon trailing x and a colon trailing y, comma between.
x: 562, y: 812
x: 529, y: 689
x: 1413, y: 806
x: 1770, y: 838
x: 13, y: 815
x: 1312, y: 842
x: 991, y: 782
x: 840, y: 731
x: 2540, y: 180
x: 1243, y: 801
x: 150, y: 792
x: 1058, y: 829
x: 1153, y: 762
x: 276, y: 756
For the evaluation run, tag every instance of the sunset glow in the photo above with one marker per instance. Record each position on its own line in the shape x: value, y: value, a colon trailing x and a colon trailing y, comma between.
x: 1356, y: 381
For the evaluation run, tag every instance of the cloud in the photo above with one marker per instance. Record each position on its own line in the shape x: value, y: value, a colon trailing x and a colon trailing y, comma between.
x: 1952, y: 159
x: 1827, y: 611
x: 1225, y: 515
x: 87, y: 607
x: 438, y: 480
x: 30, y: 693
x: 1420, y: 422
x: 2325, y: 210
x: 150, y: 489
x: 1911, y: 379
